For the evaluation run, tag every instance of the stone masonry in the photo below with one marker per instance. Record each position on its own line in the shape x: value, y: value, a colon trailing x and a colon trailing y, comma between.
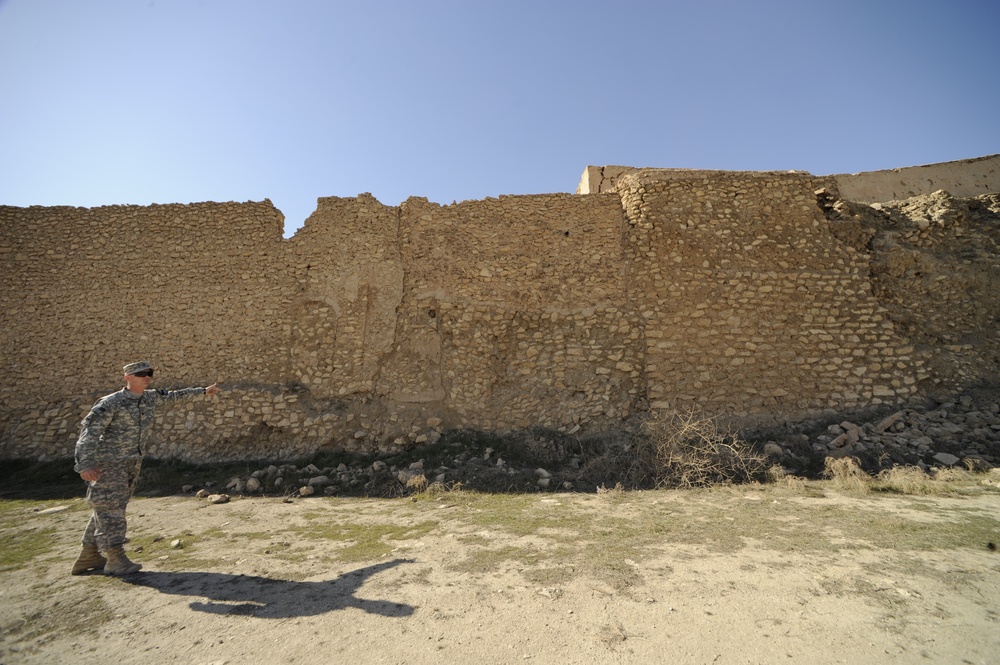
x: 746, y: 295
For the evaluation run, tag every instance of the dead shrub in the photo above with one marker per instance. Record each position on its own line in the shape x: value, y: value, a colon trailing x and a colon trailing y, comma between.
x: 682, y: 450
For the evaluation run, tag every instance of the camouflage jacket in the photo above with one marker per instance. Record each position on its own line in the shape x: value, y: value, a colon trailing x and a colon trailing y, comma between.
x: 118, y: 426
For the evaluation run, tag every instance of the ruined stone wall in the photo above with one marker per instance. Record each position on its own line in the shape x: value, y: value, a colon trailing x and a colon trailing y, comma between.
x: 760, y: 296
x: 753, y: 305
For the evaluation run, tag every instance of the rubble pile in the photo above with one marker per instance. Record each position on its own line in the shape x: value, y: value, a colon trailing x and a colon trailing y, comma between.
x: 963, y: 433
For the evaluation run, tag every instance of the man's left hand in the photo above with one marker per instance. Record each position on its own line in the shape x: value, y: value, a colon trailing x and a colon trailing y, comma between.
x: 213, y: 389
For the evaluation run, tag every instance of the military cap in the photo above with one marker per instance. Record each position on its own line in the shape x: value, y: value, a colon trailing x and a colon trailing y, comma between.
x: 135, y: 368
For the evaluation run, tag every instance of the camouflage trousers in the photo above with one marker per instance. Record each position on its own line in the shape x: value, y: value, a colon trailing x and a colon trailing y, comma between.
x: 109, y: 496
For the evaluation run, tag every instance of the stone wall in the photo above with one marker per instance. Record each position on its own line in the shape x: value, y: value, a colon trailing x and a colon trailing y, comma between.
x: 752, y: 304
x: 759, y: 296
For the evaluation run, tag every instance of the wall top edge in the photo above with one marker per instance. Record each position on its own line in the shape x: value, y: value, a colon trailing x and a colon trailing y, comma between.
x: 964, y: 177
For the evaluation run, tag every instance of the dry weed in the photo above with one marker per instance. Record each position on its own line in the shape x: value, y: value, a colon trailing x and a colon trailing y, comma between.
x: 417, y: 483
x: 905, y: 480
x: 916, y: 481
x: 777, y: 475
x: 610, y: 493
x: 953, y: 474
x: 846, y: 474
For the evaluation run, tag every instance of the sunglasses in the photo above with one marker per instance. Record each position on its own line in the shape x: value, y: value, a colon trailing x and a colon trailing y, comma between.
x: 144, y: 373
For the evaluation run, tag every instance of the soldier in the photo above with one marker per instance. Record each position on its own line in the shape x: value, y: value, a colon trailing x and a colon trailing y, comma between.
x: 109, y: 453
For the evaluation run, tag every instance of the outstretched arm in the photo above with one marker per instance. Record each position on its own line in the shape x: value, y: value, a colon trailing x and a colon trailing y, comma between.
x: 184, y: 393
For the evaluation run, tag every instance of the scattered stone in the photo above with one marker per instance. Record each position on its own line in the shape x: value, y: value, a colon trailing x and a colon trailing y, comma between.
x: 306, y: 490
x: 774, y: 450
x: 888, y: 422
x: 218, y: 498
x: 946, y: 459
x: 202, y: 493
x: 49, y: 511
x: 176, y: 544
x: 253, y: 485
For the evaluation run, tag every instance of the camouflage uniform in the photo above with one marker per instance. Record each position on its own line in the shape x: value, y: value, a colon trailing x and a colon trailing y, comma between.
x: 113, y: 438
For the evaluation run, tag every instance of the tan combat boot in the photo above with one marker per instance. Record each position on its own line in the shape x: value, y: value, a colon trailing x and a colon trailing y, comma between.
x: 90, y: 559
x: 118, y: 563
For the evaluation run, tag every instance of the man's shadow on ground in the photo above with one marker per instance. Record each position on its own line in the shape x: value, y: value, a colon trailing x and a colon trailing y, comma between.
x: 251, y: 595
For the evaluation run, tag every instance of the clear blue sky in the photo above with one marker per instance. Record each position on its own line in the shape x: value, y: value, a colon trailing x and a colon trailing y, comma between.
x: 178, y: 101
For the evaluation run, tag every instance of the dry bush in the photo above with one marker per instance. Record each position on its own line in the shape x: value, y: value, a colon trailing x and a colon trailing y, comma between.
x: 684, y: 451
x: 846, y: 474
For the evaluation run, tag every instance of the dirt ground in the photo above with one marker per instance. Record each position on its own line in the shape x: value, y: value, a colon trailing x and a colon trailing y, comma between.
x: 754, y: 574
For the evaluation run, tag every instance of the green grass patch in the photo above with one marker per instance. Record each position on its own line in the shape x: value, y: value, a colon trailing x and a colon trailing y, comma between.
x: 83, y: 616
x: 489, y: 559
x: 22, y: 547
x: 363, y: 542
x: 27, y: 532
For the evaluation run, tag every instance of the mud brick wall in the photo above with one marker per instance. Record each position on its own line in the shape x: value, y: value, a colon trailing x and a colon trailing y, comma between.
x: 376, y: 327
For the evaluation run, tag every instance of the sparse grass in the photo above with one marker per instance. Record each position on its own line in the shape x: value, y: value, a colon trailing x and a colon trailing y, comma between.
x: 362, y: 542
x: 20, y: 548
x: 27, y: 533
x: 83, y: 616
x: 616, y: 493
x: 551, y: 576
x: 552, y: 538
x: 485, y: 560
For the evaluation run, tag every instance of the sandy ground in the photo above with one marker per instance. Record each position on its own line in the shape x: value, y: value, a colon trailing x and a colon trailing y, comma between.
x: 729, y: 576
